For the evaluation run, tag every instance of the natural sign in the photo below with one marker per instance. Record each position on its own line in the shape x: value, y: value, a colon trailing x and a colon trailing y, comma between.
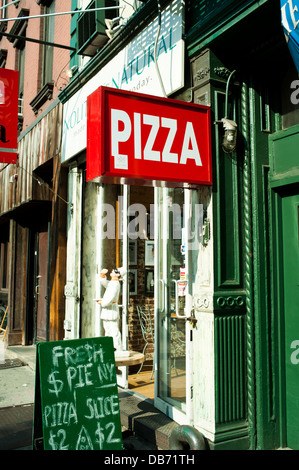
x: 76, y: 397
x: 133, y: 68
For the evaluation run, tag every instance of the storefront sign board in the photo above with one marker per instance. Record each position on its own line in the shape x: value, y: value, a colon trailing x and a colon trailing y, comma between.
x: 290, y: 22
x: 140, y: 139
x: 76, y: 397
x: 9, y: 89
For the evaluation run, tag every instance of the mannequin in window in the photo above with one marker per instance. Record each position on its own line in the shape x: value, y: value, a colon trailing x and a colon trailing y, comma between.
x: 110, y: 309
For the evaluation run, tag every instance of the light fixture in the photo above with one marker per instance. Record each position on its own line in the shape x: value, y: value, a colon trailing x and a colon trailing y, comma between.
x: 70, y: 72
x: 111, y: 31
x: 111, y: 23
x: 13, y: 178
x: 229, y: 141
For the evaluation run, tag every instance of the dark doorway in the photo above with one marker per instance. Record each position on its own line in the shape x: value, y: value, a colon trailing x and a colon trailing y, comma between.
x: 37, y: 318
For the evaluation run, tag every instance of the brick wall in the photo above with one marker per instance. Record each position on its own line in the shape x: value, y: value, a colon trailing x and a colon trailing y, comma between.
x: 33, y: 53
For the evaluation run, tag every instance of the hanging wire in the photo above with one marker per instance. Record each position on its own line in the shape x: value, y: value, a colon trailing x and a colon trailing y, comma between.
x: 132, y: 6
x: 1, y: 169
x: 226, y: 93
x: 41, y: 183
x: 155, y: 50
x: 8, y: 4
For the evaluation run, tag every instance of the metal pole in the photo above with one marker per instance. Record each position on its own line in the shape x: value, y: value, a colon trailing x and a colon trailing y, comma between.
x: 38, y: 41
x: 155, y: 51
x: 8, y: 4
x: 88, y: 10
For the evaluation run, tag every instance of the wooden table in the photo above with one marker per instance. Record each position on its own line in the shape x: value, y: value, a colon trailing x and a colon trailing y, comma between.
x: 131, y: 360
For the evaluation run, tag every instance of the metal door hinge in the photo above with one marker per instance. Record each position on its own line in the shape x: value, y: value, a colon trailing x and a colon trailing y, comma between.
x: 205, y: 232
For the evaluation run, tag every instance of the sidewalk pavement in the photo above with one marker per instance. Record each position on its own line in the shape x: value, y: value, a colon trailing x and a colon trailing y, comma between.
x: 27, y: 354
x: 17, y: 386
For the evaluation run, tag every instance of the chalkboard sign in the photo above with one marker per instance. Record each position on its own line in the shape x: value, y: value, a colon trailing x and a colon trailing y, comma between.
x: 76, y: 396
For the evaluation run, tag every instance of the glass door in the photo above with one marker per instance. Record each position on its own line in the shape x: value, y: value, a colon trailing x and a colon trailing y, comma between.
x: 173, y: 271
x: 112, y: 254
x: 122, y: 261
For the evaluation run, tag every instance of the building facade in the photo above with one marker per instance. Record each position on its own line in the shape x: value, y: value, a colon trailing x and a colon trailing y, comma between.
x: 215, y: 265
x: 236, y: 378
x: 33, y: 190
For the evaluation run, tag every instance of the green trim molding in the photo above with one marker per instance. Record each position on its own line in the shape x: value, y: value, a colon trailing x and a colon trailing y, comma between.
x: 284, y: 171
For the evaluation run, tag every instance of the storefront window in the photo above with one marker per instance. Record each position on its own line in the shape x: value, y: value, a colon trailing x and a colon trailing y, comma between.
x: 141, y: 246
x: 154, y: 234
x: 172, y: 328
x: 128, y: 243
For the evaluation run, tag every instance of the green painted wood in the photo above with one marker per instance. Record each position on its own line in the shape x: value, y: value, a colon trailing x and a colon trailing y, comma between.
x: 290, y: 223
x: 76, y: 396
x: 208, y: 19
x: 284, y: 143
x: 227, y: 210
x: 230, y: 368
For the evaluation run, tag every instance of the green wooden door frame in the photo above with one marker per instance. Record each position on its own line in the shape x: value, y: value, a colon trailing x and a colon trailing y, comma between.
x: 244, y: 323
x: 284, y: 183
x: 279, y: 195
x: 290, y: 216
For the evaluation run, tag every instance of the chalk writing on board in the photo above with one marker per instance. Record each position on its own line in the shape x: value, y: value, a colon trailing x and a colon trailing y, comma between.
x: 80, y: 404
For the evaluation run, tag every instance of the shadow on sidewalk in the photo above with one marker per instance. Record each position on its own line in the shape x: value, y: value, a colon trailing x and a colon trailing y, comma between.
x: 16, y: 424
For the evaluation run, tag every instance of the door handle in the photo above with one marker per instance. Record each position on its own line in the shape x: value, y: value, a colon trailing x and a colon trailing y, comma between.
x: 163, y: 296
x: 37, y: 285
x: 192, y: 320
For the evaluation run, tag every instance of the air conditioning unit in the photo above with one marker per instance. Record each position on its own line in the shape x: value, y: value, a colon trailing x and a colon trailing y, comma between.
x: 91, y: 35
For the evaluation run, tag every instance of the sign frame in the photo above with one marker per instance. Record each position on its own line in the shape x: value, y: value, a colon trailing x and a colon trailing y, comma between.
x: 186, y: 135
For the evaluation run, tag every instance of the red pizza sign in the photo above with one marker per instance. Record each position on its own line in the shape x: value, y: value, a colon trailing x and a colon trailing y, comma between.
x: 9, y: 89
x: 136, y: 138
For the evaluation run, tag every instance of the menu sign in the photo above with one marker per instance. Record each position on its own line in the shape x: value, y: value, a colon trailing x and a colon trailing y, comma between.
x: 76, y: 396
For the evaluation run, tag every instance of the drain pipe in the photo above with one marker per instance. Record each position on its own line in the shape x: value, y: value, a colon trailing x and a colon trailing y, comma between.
x: 186, y: 435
